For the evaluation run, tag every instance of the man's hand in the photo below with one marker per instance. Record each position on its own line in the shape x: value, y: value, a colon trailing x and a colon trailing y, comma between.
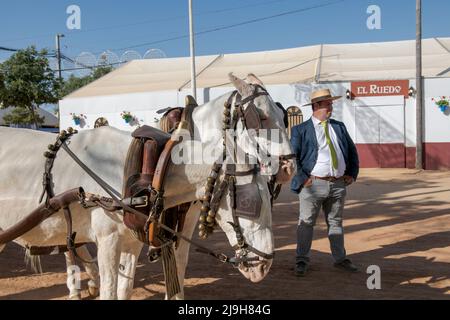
x: 308, y: 183
x: 348, y: 180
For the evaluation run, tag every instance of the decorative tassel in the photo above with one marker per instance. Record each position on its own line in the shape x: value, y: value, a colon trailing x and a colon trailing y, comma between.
x: 170, y: 270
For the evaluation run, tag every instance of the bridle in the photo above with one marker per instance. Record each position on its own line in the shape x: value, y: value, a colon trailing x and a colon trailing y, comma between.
x: 214, y: 190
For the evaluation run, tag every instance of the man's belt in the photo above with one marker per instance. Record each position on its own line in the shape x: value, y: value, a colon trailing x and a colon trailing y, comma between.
x: 330, y: 179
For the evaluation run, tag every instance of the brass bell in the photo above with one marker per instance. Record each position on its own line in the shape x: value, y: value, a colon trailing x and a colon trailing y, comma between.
x: 206, y: 198
x: 70, y: 130
x: 203, y: 235
x: 211, y: 214
x: 202, y: 219
x: 63, y: 133
x: 49, y: 155
x: 211, y: 180
x: 210, y: 220
x: 205, y: 209
x: 227, y: 113
x: 51, y: 147
x: 201, y: 227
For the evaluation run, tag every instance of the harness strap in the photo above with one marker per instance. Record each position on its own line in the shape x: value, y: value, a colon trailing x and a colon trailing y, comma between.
x: 255, y: 251
x: 105, y: 186
x: 252, y: 97
x: 71, y: 246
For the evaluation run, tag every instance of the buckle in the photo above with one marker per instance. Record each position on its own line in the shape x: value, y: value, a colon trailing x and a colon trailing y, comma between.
x: 142, y: 205
x: 222, y: 258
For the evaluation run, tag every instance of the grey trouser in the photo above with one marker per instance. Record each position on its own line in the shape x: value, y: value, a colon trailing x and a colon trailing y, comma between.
x: 329, y: 196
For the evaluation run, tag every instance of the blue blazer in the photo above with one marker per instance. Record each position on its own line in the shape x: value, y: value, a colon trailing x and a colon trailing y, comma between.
x: 305, y: 145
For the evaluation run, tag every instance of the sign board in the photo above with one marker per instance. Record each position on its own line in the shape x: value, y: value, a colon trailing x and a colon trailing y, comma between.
x: 380, y: 88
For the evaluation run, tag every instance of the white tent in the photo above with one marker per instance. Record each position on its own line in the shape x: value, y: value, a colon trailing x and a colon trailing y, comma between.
x: 321, y: 63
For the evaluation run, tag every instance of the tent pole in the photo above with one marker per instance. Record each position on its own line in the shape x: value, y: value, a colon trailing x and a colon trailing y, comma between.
x: 319, y: 65
x: 419, y: 85
x: 191, y: 33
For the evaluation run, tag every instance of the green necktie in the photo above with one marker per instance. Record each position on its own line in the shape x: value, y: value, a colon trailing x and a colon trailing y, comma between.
x: 330, y: 144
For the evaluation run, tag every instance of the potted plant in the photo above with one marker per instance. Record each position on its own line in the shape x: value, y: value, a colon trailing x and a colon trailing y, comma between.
x: 127, y: 116
x: 442, y: 103
x: 77, y: 118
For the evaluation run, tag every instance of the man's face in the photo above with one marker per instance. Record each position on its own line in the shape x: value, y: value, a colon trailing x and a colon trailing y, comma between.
x: 323, y: 109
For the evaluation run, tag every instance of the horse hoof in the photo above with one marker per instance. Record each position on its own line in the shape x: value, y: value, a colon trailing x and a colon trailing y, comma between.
x: 75, y: 297
x: 94, y: 292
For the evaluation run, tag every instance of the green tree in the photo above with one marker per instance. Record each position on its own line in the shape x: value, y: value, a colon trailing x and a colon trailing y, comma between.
x: 74, y: 83
x: 26, y: 82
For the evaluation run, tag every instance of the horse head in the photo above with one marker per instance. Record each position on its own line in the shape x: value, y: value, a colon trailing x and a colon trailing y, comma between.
x: 263, y: 132
x: 249, y: 231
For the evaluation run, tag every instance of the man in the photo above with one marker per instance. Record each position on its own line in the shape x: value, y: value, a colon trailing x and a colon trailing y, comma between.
x: 327, y: 162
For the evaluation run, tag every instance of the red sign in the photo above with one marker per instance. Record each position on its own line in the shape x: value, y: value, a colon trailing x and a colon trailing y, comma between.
x: 380, y: 88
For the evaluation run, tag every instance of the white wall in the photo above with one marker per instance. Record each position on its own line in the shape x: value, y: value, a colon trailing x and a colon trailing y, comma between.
x: 396, y: 115
x: 379, y: 119
x: 141, y: 105
x: 437, y: 124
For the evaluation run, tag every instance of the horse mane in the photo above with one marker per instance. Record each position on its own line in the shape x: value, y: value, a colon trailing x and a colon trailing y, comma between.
x: 164, y: 124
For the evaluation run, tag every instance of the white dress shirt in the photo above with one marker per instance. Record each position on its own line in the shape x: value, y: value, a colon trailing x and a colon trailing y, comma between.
x: 324, y: 165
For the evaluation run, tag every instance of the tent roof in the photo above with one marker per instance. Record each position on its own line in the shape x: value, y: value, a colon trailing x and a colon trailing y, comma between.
x: 339, y: 62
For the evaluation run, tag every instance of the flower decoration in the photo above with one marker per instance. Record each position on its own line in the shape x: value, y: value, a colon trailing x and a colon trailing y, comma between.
x: 442, y: 102
x: 77, y: 118
x: 127, y: 116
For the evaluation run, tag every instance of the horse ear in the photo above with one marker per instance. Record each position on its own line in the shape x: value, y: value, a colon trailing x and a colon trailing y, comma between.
x: 255, y: 80
x: 242, y: 87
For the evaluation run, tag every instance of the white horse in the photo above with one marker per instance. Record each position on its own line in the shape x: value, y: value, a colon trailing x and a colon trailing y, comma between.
x: 104, y: 151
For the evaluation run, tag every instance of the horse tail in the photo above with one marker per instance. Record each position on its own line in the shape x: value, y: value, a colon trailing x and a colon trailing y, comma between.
x: 133, y: 162
x: 33, y: 261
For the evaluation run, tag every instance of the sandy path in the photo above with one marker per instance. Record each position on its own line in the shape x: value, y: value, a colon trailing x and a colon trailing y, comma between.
x: 397, y: 219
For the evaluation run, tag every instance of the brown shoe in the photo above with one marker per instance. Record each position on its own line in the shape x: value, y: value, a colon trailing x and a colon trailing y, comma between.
x: 347, y: 265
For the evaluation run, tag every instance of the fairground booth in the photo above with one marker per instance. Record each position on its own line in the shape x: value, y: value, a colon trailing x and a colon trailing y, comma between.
x: 376, y: 80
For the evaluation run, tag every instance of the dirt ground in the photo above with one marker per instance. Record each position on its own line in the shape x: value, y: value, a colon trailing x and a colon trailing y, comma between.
x: 396, y: 219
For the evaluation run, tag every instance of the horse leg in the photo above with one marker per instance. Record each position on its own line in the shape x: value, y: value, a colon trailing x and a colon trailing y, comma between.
x: 73, y: 277
x: 108, y: 263
x: 182, y: 253
x: 91, y: 270
x: 106, y: 227
x: 127, y: 268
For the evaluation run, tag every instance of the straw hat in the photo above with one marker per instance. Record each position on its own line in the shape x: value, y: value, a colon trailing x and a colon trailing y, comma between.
x: 321, y: 95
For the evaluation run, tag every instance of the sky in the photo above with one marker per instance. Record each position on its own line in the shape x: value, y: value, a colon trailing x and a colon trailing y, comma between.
x: 142, y: 25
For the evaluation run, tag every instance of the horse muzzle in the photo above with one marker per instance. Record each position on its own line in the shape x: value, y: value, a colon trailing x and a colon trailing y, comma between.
x: 255, y: 271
